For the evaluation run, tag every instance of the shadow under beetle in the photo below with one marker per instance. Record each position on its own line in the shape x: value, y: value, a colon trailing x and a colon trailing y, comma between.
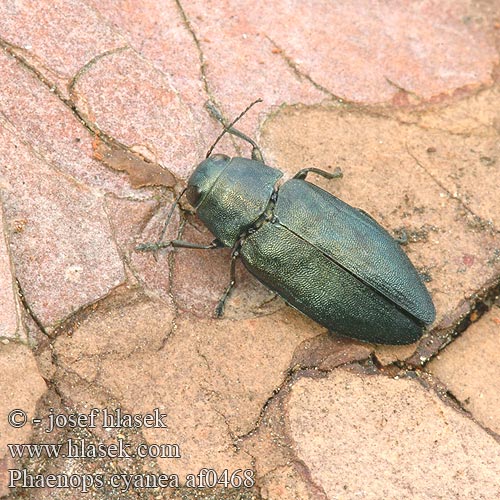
x: 331, y: 261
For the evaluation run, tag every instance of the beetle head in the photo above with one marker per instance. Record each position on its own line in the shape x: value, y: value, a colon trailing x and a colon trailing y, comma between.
x: 203, y: 178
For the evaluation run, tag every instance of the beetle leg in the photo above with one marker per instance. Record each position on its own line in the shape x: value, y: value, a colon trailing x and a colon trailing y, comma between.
x: 302, y: 174
x: 403, y: 238
x: 256, y: 152
x: 154, y: 247
x: 219, y: 310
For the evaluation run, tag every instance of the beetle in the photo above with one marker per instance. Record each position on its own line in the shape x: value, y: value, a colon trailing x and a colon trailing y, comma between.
x: 331, y: 261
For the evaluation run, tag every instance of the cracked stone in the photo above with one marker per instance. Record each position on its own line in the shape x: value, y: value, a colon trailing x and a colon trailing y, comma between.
x: 265, y: 343
x: 255, y: 389
x: 136, y: 104
x: 128, y: 217
x: 465, y: 164
x: 280, y: 473
x: 387, y: 354
x: 477, y: 115
x: 158, y: 32
x: 53, y: 130
x: 122, y: 360
x: 58, y: 37
x: 241, y: 63
x: 374, y: 437
x: 470, y: 366
x: 64, y: 254
x: 270, y: 75
x: 357, y: 51
x: 8, y: 309
x: 287, y: 483
x: 326, y: 352
x: 382, y: 178
x: 209, y: 400
x: 426, y: 50
x: 22, y: 386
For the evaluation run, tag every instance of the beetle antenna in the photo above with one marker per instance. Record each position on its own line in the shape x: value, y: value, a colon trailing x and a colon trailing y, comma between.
x: 229, y: 128
x: 169, y: 216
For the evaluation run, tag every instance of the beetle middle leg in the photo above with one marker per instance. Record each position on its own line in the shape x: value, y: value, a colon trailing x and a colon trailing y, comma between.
x: 219, y: 310
x: 302, y: 174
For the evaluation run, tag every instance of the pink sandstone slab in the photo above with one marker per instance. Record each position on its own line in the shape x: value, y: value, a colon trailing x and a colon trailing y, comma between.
x: 63, y: 249
x: 9, y: 324
x: 50, y: 126
x: 372, y: 437
x: 56, y: 37
x: 470, y: 369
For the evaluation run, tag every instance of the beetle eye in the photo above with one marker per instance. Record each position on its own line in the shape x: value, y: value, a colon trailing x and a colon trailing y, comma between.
x: 203, y: 178
x: 193, y: 194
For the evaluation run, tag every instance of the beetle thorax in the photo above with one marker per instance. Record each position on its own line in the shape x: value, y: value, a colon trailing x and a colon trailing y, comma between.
x: 231, y: 194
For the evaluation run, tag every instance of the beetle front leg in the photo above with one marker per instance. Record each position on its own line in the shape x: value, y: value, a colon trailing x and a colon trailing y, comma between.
x: 302, y: 174
x: 219, y: 310
x: 154, y: 247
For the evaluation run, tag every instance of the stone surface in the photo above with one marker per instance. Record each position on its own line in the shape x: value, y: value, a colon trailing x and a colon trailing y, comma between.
x: 210, y: 399
x: 54, y: 130
x: 39, y: 33
x: 139, y: 106
x: 8, y: 310
x: 128, y: 219
x: 102, y: 121
x: 62, y: 248
x: 358, y: 50
x: 163, y: 38
x: 22, y: 386
x: 374, y: 437
x: 469, y: 364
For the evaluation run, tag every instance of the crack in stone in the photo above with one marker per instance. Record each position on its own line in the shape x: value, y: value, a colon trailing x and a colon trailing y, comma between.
x: 203, y: 63
x: 203, y: 67
x: 15, y: 288
x: 301, y: 75
x: 204, y: 357
x: 478, y: 306
x: 232, y: 436
x: 432, y: 384
x: 38, y: 154
x: 291, y: 375
x: 88, y: 65
x: 442, y: 186
x: 16, y: 52
x: 306, y: 474
x: 29, y: 310
x: 403, y: 369
x: 95, y: 131
x: 402, y: 89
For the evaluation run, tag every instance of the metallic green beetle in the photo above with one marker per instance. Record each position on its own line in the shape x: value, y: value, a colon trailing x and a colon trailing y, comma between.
x: 332, y: 262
